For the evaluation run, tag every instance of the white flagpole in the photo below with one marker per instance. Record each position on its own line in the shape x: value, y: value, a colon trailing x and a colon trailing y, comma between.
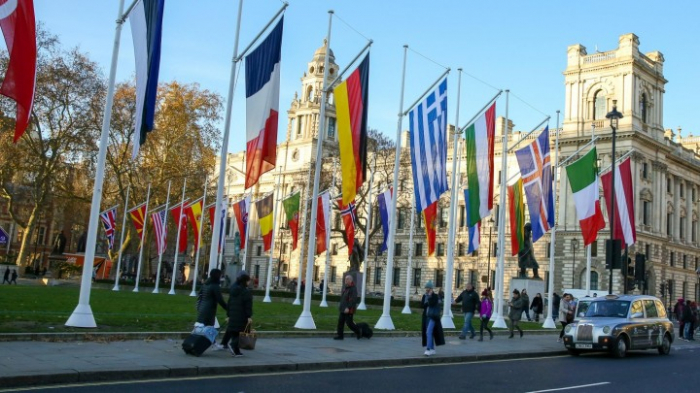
x: 362, y: 305
x: 275, y: 211
x: 306, y: 320
x: 247, y: 231
x: 446, y: 319
x: 117, y: 274
x: 143, y: 240
x: 406, y: 307
x: 324, y: 303
x: 173, y: 277
x: 456, y: 204
x: 549, y: 321
x: 385, y: 322
x: 220, y: 248
x: 195, y: 275
x: 500, y: 322
x: 304, y: 198
x: 588, y: 248
x: 164, y: 234
x: 82, y: 315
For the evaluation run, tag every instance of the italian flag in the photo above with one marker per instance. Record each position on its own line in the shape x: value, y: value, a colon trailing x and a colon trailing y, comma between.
x: 480, y: 143
x: 516, y: 209
x: 583, y: 178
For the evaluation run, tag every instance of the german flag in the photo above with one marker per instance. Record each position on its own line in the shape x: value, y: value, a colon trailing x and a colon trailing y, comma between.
x: 351, y: 100
x: 265, y: 208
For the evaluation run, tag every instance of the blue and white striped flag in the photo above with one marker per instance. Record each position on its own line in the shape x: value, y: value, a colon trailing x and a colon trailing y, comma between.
x: 428, y: 126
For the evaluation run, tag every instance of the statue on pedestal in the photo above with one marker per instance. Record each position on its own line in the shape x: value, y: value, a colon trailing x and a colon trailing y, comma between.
x: 236, y: 248
x: 526, y: 257
x: 357, y: 256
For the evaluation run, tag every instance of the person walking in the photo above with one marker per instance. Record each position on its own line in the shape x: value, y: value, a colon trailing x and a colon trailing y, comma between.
x: 485, y: 311
x: 209, y: 297
x: 526, y: 303
x: 14, y: 277
x: 240, y: 313
x: 688, y: 319
x: 470, y: 304
x: 556, y: 300
x: 6, y: 277
x: 348, y: 303
x: 678, y: 313
x: 431, y: 327
x: 516, y: 304
x: 566, y: 313
x: 537, y: 306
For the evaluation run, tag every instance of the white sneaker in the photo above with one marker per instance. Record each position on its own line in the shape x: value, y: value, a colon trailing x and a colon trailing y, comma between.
x: 217, y: 347
x: 427, y: 352
x: 432, y: 352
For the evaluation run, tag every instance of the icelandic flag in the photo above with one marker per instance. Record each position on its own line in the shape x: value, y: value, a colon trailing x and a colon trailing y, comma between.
x: 428, y: 126
x: 474, y: 230
x: 262, y: 92
x: 536, y: 170
x: 146, y: 20
x: 384, y: 203
x: 109, y: 222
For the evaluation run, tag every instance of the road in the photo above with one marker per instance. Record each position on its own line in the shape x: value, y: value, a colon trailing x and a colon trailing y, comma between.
x: 599, y: 373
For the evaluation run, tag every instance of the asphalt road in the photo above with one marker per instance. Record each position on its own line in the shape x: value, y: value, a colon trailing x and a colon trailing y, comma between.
x: 640, y: 372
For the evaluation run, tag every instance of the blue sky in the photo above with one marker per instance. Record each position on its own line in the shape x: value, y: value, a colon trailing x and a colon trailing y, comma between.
x: 505, y: 44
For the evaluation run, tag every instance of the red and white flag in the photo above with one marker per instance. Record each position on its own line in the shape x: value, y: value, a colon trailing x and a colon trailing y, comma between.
x: 161, y: 230
x: 323, y: 223
x: 624, y: 202
x: 349, y: 217
x: 19, y: 28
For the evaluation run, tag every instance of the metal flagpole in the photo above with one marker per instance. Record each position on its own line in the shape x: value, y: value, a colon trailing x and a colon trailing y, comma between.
x: 588, y: 248
x: 304, y: 200
x: 385, y: 321
x: 446, y: 319
x: 247, y: 231
x: 82, y: 315
x: 549, y: 321
x: 173, y: 276
x: 195, y: 275
x: 456, y: 205
x: 324, y: 303
x: 362, y: 305
x: 222, y: 242
x: 275, y: 196
x: 121, y: 241
x: 406, y: 308
x: 165, y: 231
x: 500, y: 322
x: 143, y: 240
x: 306, y: 320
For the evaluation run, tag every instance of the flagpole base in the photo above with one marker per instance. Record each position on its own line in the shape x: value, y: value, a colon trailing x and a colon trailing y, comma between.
x: 549, y: 323
x: 136, y: 289
x: 82, y: 317
x: 156, y: 290
x: 406, y: 310
x: 116, y: 288
x: 324, y: 303
x: 500, y: 323
x: 216, y: 323
x: 267, y: 299
x: 385, y: 323
x: 449, y: 314
x: 193, y: 294
x: 172, y: 292
x: 296, y: 302
x: 447, y: 322
x: 362, y: 306
x: 305, y: 321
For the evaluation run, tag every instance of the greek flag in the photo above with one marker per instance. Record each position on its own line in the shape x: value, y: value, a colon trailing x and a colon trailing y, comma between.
x: 428, y: 126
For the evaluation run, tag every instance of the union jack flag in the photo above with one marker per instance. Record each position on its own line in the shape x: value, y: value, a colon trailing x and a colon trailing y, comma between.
x: 349, y: 216
x: 159, y: 226
x: 109, y: 219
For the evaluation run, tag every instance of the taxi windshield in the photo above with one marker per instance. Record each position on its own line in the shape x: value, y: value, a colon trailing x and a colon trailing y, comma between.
x: 608, y: 308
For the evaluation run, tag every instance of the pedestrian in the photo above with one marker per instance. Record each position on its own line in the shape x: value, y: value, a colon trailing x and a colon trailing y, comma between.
x: 14, y: 277
x: 347, y: 307
x: 6, y: 277
x: 537, y: 306
x: 485, y: 311
x: 566, y: 313
x: 320, y: 286
x: 431, y: 327
x: 209, y: 297
x: 470, y: 304
x: 240, y: 313
x: 678, y: 312
x: 516, y: 304
x: 526, y: 303
x: 688, y: 319
x: 556, y: 300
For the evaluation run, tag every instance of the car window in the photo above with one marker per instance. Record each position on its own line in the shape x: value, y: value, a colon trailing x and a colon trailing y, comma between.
x: 650, y: 309
x: 660, y: 309
x: 637, y: 309
x: 607, y: 309
x: 582, y: 307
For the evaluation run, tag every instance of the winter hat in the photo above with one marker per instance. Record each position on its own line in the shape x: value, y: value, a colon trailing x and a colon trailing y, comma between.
x: 429, y: 284
x: 242, y: 274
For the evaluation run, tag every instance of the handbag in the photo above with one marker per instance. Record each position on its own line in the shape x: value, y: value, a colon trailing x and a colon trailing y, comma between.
x: 433, y: 312
x: 247, y: 338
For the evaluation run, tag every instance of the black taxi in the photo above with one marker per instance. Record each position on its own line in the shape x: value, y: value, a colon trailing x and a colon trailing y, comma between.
x: 618, y: 323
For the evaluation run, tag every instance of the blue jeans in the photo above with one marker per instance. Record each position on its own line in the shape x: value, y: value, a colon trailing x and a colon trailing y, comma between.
x: 429, y: 333
x: 468, y: 324
x: 686, y: 330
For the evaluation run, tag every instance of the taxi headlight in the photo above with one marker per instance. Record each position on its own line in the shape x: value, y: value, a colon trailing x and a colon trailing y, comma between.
x: 567, y: 329
x: 606, y: 330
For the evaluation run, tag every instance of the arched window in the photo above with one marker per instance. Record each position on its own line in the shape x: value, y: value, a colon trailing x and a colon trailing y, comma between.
x: 643, y: 107
x: 310, y: 93
x: 594, y: 280
x: 599, y: 105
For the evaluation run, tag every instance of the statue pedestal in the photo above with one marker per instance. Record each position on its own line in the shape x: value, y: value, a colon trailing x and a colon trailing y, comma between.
x: 533, y: 286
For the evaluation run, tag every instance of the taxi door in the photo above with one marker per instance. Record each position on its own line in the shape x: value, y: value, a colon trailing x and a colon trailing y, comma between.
x: 639, y: 326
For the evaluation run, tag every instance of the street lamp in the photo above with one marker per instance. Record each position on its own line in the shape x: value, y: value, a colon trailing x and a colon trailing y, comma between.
x: 614, y: 117
x: 488, y: 266
x: 574, y: 247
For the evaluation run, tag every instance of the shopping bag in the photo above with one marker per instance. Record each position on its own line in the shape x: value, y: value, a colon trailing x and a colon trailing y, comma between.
x: 247, y: 338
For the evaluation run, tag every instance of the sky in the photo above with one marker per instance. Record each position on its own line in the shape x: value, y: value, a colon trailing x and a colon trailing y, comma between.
x: 514, y: 45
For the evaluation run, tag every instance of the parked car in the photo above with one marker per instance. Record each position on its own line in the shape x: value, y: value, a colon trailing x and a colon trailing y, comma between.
x: 618, y: 323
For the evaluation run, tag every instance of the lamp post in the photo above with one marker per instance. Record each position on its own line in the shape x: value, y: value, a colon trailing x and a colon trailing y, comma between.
x: 488, y: 259
x: 574, y: 247
x: 614, y: 117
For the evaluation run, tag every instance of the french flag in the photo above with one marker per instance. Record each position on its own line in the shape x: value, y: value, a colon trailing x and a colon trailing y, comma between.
x: 146, y: 20
x: 262, y: 85
x: 384, y: 203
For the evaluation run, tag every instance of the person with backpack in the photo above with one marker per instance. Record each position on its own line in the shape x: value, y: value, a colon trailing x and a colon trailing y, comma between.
x: 347, y: 306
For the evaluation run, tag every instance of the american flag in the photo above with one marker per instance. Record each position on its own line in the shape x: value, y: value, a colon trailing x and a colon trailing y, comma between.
x: 109, y: 219
x: 160, y: 230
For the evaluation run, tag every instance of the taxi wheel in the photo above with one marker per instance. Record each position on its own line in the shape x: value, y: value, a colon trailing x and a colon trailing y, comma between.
x: 619, y: 348
x: 665, y: 347
x: 573, y: 352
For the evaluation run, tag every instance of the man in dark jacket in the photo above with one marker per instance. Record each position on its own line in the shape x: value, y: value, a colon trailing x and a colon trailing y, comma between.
x: 470, y: 304
x: 240, y: 313
x: 208, y: 298
x: 348, y: 302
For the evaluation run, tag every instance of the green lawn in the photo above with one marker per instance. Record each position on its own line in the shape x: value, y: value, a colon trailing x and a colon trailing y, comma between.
x: 31, y: 309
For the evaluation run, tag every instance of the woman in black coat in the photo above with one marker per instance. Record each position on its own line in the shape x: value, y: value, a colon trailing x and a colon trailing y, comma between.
x: 209, y: 297
x: 537, y: 306
x: 431, y: 327
x: 240, y: 312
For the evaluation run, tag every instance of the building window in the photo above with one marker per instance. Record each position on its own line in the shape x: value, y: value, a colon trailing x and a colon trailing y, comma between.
x: 669, y: 224
x: 331, y: 128
x: 396, y: 279
x: 439, y: 275
x: 685, y: 290
x: 494, y: 249
x: 496, y: 214
x: 441, y: 249
x: 692, y: 194
x: 400, y: 222
x: 685, y: 261
x: 256, y: 271
x: 472, y: 277
x: 594, y: 280
x: 647, y: 250
x: 645, y: 212
x: 334, y: 249
x: 336, y: 221
x: 643, y: 107
x: 416, y: 277
x: 548, y: 251
x: 499, y: 178
x: 645, y: 173
x: 316, y: 273
x: 397, y: 249
x: 419, y: 221
x: 334, y: 272
x: 418, y: 250
x: 599, y: 109
x: 669, y: 186
x: 443, y: 217
x: 681, y: 230
x: 41, y: 234
x: 462, y: 217
x: 670, y: 258
x: 594, y: 248
x: 458, y: 278
x: 681, y: 190
x: 258, y: 251
x: 377, y: 276
x: 460, y: 249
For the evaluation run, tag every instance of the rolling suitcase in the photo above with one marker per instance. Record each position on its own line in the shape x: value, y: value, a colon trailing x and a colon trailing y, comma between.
x: 200, y: 340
